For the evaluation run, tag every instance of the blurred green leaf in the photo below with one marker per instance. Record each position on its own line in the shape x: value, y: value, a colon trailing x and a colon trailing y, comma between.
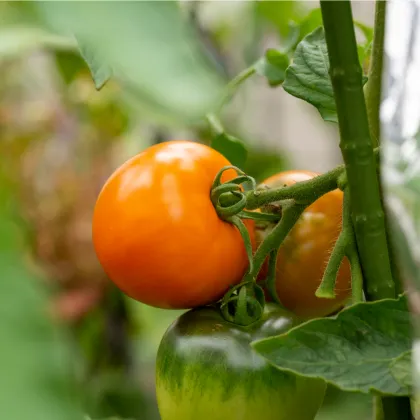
x: 150, y: 49
x: 37, y: 379
x: 273, y: 66
x: 302, y: 27
x: 22, y: 30
x: 231, y: 148
x: 262, y: 163
x: 281, y: 13
x: 307, y: 77
x: 357, y: 350
x: 16, y: 40
x: 310, y: 22
x: 101, y: 71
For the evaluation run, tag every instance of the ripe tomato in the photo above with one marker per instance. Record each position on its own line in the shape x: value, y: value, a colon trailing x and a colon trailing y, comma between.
x: 304, y: 254
x: 157, y: 234
x: 206, y: 369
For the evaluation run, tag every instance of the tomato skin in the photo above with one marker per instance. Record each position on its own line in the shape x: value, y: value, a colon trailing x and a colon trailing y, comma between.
x: 157, y: 234
x: 206, y: 369
x: 304, y: 254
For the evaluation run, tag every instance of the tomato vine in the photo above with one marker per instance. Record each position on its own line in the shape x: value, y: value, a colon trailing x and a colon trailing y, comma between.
x: 363, y: 236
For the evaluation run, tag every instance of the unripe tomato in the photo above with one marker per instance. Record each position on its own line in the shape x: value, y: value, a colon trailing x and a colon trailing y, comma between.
x: 304, y: 254
x: 157, y: 234
x: 206, y: 369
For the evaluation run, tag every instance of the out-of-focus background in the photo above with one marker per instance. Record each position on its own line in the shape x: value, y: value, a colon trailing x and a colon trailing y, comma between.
x: 60, y: 139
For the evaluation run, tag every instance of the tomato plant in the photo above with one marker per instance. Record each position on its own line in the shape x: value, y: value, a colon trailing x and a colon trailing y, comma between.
x: 157, y: 234
x: 183, y: 225
x: 207, y: 369
x: 304, y: 253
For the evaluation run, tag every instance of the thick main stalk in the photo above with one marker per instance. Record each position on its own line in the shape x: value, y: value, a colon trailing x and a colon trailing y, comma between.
x: 356, y: 146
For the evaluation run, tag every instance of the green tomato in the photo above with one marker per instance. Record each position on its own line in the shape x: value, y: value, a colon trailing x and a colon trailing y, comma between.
x: 206, y: 369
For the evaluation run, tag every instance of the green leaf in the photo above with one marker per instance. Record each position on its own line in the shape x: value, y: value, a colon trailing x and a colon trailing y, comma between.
x: 100, y: 70
x: 273, y: 66
x: 36, y: 380
x: 307, y: 77
x: 231, y: 148
x: 402, y: 370
x: 15, y: 41
x: 357, y: 350
x: 152, y: 51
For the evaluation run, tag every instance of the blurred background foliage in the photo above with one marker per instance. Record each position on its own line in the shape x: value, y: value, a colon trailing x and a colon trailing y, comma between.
x: 60, y: 139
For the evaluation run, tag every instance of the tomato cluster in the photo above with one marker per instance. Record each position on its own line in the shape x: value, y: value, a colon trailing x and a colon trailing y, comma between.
x: 158, y: 236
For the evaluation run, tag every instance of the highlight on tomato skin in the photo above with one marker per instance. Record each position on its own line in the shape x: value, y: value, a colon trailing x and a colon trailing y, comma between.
x: 304, y: 254
x: 157, y: 234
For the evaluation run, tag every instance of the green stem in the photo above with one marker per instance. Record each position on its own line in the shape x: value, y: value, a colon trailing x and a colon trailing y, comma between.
x: 327, y: 287
x: 291, y: 214
x: 215, y: 124
x: 356, y: 277
x: 233, y: 85
x: 357, y: 149
x: 373, y: 86
x: 236, y: 220
x: 351, y: 251
x: 345, y: 246
x: 271, y: 276
x: 305, y: 192
x: 356, y: 145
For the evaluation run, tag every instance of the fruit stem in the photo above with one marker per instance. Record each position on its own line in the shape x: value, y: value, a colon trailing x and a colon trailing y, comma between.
x: 304, y: 192
x: 291, y: 213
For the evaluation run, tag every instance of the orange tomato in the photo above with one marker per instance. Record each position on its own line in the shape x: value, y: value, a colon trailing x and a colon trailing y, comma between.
x: 304, y: 254
x: 157, y: 234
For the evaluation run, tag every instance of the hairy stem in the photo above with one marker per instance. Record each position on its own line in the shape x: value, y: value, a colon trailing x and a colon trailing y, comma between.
x: 291, y: 214
x: 327, y: 287
x: 373, y: 86
x: 356, y: 145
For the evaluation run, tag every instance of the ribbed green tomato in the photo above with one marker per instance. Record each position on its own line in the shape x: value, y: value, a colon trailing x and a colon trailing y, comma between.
x: 206, y: 369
